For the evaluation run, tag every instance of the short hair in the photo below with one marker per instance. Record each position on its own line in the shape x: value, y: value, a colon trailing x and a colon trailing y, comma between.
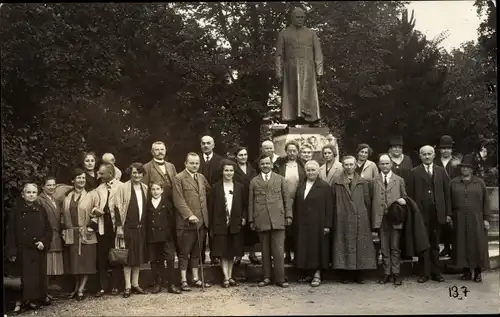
x: 226, y: 162
x: 306, y: 145
x: 76, y: 172
x: 48, y: 178
x: 312, y: 162
x: 156, y: 183
x: 28, y: 183
x: 332, y: 148
x: 263, y: 156
x: 158, y: 143
x: 110, y: 168
x: 291, y: 143
x: 239, y: 149
x: 267, y: 142
x: 426, y: 147
x: 84, y: 156
x: 364, y: 146
x: 106, y: 155
x: 208, y: 137
x: 384, y: 154
x: 347, y: 157
x: 138, y: 166
x: 191, y: 154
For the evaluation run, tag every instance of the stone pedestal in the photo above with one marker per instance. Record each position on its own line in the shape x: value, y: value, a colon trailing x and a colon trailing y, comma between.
x: 316, y: 137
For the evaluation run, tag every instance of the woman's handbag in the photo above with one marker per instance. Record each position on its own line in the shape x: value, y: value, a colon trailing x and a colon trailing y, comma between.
x: 119, y: 254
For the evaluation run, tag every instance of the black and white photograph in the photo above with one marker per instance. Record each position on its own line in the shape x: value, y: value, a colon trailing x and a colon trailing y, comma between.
x: 250, y: 158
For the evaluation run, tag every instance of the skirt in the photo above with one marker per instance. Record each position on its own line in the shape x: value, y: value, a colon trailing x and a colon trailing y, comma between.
x: 55, y: 263
x: 83, y: 264
x: 135, y: 242
x: 227, y: 246
x: 250, y: 236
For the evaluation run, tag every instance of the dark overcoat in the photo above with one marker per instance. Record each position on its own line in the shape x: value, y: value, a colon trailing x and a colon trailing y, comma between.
x: 250, y: 236
x: 28, y: 225
x: 353, y: 247
x: 418, y: 189
x: 312, y: 215
x: 414, y: 234
x: 217, y: 209
x: 211, y: 169
x: 160, y: 222
x: 470, y: 207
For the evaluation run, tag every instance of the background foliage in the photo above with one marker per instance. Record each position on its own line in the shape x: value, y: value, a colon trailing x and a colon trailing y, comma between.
x: 116, y: 77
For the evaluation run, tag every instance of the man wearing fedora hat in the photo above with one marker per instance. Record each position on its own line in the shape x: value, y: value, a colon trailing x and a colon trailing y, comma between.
x: 401, y: 163
x: 449, y: 163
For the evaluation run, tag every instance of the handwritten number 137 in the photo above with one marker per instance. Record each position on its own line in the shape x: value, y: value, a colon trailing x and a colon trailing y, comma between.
x: 454, y: 291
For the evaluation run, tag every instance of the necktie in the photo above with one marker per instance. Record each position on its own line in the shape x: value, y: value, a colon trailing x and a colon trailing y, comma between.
x: 195, y: 176
x: 207, y: 158
x: 429, y: 170
x: 266, y: 177
x: 385, y: 181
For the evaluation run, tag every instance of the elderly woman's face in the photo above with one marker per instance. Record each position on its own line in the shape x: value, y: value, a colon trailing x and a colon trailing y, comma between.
x: 306, y: 154
x: 89, y: 162
x: 79, y: 181
x: 312, y: 172
x: 396, y: 150
x: 465, y: 171
x: 363, y: 154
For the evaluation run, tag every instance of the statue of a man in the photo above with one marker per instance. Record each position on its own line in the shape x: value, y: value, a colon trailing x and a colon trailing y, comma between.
x: 298, y: 61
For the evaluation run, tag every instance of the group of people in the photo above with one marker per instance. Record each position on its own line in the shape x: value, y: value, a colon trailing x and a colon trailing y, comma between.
x: 326, y: 216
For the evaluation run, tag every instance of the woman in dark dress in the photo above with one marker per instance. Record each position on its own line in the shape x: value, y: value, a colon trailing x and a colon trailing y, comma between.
x: 227, y: 209
x: 470, y: 217
x: 243, y: 174
x: 28, y: 237
x: 91, y: 176
x: 160, y: 229
x: 80, y: 240
x: 131, y: 230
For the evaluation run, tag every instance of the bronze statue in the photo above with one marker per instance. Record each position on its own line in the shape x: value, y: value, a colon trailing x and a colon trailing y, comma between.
x: 298, y: 61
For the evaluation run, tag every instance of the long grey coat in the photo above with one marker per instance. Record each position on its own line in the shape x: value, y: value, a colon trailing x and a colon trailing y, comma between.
x: 470, y: 206
x: 353, y: 247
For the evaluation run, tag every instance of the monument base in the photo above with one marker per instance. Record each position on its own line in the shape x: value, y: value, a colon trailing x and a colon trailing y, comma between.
x: 316, y: 137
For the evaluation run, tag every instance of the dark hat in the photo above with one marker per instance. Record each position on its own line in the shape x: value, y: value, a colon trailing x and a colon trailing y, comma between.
x: 446, y: 141
x: 396, y: 213
x: 396, y: 140
x: 467, y: 161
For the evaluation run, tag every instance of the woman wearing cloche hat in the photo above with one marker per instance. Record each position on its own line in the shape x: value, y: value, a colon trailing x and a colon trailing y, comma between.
x: 470, y: 214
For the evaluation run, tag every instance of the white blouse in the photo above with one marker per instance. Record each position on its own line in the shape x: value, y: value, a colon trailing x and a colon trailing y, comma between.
x: 228, y: 191
x: 138, y: 194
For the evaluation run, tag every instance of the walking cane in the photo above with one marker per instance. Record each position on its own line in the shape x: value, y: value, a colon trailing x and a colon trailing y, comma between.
x: 201, y: 260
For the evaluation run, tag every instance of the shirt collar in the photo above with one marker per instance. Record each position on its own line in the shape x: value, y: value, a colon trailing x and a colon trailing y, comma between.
x: 264, y: 174
x: 387, y: 176
x: 209, y: 155
x: 430, y: 166
x: 192, y: 174
x: 159, y: 162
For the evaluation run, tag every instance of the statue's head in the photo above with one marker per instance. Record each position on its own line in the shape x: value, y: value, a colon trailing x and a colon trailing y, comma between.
x: 298, y: 17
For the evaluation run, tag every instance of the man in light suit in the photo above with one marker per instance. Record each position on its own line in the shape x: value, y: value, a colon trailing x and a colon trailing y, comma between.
x: 190, y: 200
x: 428, y: 187
x: 269, y: 213
x: 104, y: 222
x: 388, y: 188
x: 210, y: 168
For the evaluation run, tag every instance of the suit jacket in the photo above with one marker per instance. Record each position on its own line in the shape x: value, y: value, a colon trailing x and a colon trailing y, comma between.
x: 190, y: 199
x: 217, y: 209
x: 421, y: 184
x: 87, y: 203
x: 383, y: 198
x: 370, y: 170
x: 53, y: 210
x: 211, y: 170
x: 160, y: 224
x: 102, y: 194
x: 122, y: 199
x: 153, y: 173
x: 268, y: 203
x: 335, y: 170
x: 451, y: 171
x: 414, y: 234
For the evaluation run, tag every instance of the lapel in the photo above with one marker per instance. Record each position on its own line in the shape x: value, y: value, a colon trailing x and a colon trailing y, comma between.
x: 365, y: 166
x: 332, y: 172
x: 191, y: 181
x: 50, y: 206
x: 311, y: 191
x: 379, y: 180
x: 301, y: 190
x: 67, y: 203
x: 423, y: 173
x: 392, y: 182
x: 157, y: 167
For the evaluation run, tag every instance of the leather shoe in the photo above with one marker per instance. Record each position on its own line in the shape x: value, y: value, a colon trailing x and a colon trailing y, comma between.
x: 115, y: 291
x: 100, y: 293
x: 397, y: 280
x: 214, y: 261
x: 385, y: 279
x: 255, y: 260
x: 46, y: 301
x: 156, y: 289
x: 173, y: 290
x: 283, y: 285
x: 478, y: 278
x: 126, y: 293
x: 264, y: 282
x: 438, y: 278
x: 467, y: 276
x: 138, y: 290
x: 423, y: 279
x: 288, y: 259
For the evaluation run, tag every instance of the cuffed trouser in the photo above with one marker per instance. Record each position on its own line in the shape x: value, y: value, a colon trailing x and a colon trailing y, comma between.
x: 189, y: 247
x: 390, y: 247
x: 273, y: 244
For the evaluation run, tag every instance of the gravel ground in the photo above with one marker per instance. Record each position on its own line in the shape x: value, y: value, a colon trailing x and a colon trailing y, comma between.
x: 330, y: 298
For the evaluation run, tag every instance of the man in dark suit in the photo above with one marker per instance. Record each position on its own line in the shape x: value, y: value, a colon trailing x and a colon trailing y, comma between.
x: 190, y: 200
x: 269, y: 212
x: 428, y: 186
x: 291, y: 168
x: 449, y: 163
x: 210, y: 168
